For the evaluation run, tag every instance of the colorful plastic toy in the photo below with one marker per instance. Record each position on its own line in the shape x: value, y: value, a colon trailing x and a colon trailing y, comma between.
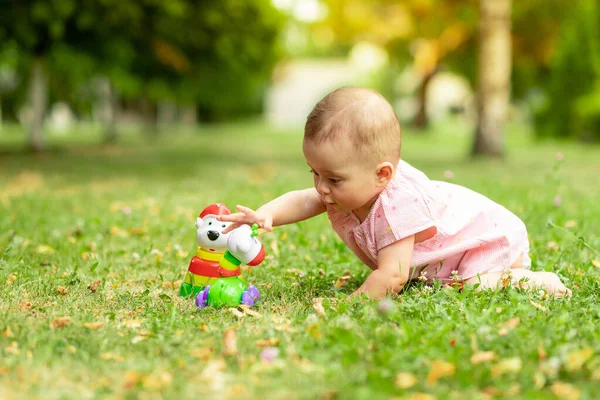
x: 214, y: 274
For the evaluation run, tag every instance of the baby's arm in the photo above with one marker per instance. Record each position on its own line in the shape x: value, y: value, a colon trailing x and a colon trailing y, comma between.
x: 286, y: 209
x: 393, y: 265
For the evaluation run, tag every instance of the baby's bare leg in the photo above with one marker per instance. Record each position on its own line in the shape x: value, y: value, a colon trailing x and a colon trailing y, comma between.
x: 522, y: 278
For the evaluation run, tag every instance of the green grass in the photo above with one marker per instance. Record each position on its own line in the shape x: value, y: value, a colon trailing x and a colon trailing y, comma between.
x: 124, y: 215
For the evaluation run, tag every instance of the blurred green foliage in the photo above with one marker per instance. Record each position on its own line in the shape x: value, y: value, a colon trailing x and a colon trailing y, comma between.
x: 216, y: 55
x: 572, y: 106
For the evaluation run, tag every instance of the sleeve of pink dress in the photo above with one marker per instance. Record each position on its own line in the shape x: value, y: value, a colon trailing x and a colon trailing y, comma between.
x: 402, y: 212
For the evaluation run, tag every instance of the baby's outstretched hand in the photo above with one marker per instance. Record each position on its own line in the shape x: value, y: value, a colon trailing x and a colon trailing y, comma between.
x: 247, y: 216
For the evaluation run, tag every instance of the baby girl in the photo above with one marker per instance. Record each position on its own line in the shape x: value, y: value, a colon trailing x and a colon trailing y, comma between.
x: 398, y: 222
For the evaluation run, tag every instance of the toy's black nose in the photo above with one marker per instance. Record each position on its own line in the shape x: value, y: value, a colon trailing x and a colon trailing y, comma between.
x: 213, y: 235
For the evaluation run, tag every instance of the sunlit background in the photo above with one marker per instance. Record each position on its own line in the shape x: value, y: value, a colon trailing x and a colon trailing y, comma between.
x: 113, y: 66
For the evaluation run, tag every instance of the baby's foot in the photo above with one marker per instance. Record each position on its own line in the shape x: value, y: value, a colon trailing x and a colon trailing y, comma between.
x: 551, y: 283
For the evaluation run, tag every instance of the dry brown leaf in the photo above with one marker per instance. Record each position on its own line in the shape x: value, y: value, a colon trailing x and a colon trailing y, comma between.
x: 440, y: 369
x: 565, y: 391
x: 229, y: 342
x: 7, y: 332
x: 405, y: 380
x: 25, y: 306
x: 137, y: 231
x: 507, y: 365
x: 61, y: 290
x: 157, y: 380
x: 131, y: 379
x: 247, y: 310
x: 11, y: 279
x: 510, y: 324
x: 93, y: 325
x: 483, y: 357
x: 542, y: 355
x: 318, y: 306
x: 341, y: 281
x: 60, y: 322
x: 236, y: 312
x: 94, y: 286
x: 576, y: 360
x: 537, y: 305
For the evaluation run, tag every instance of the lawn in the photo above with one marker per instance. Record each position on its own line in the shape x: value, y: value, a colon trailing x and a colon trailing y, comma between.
x: 94, y: 241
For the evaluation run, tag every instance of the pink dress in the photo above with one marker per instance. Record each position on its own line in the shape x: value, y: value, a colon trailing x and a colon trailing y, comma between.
x: 474, y: 234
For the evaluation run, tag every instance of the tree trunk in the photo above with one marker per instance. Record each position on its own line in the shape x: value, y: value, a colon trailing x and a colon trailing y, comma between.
x: 493, y: 95
x: 107, y: 109
x: 422, y: 119
x: 38, y: 95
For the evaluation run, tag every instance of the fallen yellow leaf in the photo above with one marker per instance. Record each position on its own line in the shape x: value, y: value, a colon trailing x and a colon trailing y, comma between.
x: 270, y: 342
x: 440, y: 369
x: 7, y: 332
x: 236, y: 312
x: 565, y: 391
x: 596, y: 263
x: 405, y: 380
x: 483, y: 357
x: 133, y: 323
x: 570, y: 224
x: 318, y: 306
x: 44, y: 249
x: 576, y: 360
x: 537, y: 305
x: 61, y: 290
x: 507, y: 365
x: 247, y: 310
x: 11, y: 279
x: 341, y: 281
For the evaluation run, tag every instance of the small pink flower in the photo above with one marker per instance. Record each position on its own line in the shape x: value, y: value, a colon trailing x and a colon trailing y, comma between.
x: 448, y: 174
x: 126, y: 210
x: 560, y: 156
x: 385, y: 306
x: 269, y: 354
x: 557, y: 201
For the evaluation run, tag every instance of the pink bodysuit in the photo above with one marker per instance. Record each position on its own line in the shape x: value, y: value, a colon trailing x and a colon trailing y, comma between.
x: 474, y: 234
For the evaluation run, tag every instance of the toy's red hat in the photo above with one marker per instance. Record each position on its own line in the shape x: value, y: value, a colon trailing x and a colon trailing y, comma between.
x: 215, y: 209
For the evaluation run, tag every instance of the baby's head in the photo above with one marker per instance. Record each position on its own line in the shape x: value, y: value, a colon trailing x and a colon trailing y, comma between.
x: 352, y: 144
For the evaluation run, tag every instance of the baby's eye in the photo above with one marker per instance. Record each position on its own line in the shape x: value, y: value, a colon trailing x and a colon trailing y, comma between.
x: 334, y: 180
x: 312, y: 171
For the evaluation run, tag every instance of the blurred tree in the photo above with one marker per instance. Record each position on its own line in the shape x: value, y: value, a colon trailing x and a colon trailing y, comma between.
x: 493, y: 96
x: 185, y: 51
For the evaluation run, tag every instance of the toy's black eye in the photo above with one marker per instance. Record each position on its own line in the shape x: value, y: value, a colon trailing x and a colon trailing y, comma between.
x: 210, y: 223
x: 223, y: 225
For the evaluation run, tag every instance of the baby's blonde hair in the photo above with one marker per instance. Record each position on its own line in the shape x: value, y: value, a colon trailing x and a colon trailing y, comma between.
x: 363, y: 116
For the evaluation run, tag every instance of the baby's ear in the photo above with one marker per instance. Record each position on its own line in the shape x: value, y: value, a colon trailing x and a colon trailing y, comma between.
x: 385, y: 172
x: 198, y: 222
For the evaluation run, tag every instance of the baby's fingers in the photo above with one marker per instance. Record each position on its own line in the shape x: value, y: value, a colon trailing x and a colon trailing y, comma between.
x: 246, y: 210
x: 268, y: 224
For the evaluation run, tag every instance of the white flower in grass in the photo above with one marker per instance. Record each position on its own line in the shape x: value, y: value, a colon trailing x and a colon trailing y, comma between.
x: 423, y: 276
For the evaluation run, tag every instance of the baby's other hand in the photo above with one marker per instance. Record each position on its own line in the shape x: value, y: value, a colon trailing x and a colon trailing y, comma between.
x: 247, y: 216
